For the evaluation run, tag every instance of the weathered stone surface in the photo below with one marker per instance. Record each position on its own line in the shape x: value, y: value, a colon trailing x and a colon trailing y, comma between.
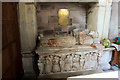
x: 47, y: 14
x: 28, y: 27
x: 52, y: 19
x: 47, y: 7
x: 57, y: 41
x: 28, y: 60
x: 113, y: 29
x: 95, y: 36
x: 77, y: 48
x: 88, y: 41
x: 67, y: 57
x: 56, y: 67
x: 77, y: 58
x: 98, y: 18
x: 85, y: 40
x: 28, y: 35
x: 106, y: 58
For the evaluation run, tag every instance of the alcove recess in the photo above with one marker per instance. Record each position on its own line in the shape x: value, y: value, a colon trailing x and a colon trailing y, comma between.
x: 40, y: 16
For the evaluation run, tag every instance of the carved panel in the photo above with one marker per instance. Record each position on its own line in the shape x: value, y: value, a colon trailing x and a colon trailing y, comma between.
x: 67, y: 62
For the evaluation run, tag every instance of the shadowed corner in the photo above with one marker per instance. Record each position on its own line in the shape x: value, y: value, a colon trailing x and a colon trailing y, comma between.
x: 0, y: 40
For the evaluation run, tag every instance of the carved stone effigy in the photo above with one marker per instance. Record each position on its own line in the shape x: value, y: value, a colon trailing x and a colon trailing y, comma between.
x: 48, y: 65
x: 56, y: 67
x: 76, y: 63
x: 41, y: 64
x: 63, y: 60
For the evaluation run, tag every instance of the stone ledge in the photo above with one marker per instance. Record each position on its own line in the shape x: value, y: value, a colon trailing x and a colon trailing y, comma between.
x: 108, y: 49
x: 68, y: 74
x: 28, y: 54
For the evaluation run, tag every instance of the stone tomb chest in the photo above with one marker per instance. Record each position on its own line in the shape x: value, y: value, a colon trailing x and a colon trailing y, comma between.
x: 64, y: 54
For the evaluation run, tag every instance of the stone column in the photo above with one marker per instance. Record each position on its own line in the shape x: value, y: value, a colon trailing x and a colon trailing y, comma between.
x: 28, y: 34
x: 105, y: 7
x: 113, y: 30
x: 98, y: 18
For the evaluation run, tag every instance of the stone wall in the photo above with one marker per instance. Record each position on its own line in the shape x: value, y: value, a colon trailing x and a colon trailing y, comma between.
x: 47, y: 16
x: 98, y: 17
x: 113, y: 29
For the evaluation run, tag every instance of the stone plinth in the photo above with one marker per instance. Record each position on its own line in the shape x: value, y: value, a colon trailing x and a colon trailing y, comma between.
x: 57, y: 60
x: 106, y: 58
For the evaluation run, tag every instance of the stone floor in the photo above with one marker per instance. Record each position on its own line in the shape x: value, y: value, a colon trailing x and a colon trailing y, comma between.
x: 61, y: 76
x: 113, y: 68
x: 65, y: 75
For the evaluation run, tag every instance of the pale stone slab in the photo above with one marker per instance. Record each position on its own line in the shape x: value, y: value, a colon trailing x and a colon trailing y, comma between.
x: 97, y: 75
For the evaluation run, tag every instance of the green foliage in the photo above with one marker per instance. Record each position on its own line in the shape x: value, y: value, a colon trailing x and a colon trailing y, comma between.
x: 106, y: 42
